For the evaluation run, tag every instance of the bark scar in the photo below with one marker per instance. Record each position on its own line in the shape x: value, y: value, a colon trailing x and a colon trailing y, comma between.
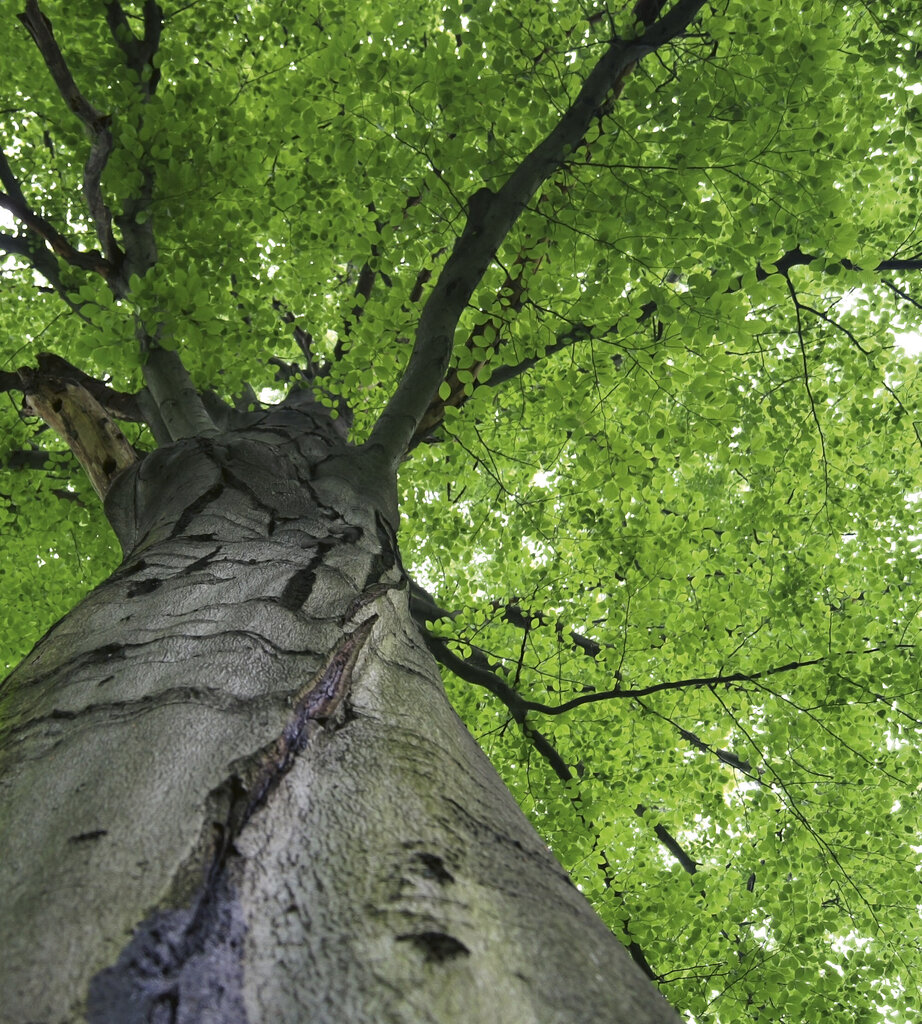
x: 178, y: 958
x: 312, y: 706
x: 323, y: 694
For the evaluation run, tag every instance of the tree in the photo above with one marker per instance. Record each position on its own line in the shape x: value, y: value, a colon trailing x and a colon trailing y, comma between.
x: 614, y: 292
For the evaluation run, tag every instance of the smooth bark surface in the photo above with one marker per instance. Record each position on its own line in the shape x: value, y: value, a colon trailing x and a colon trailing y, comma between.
x: 233, y: 789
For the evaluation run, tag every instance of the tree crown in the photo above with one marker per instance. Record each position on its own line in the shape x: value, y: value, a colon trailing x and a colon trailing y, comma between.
x: 663, y: 471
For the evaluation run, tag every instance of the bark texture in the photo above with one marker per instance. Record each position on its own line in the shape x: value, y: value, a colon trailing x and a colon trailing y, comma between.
x: 233, y: 791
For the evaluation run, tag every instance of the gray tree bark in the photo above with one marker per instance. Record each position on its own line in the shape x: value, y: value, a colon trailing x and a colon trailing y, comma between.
x: 232, y: 789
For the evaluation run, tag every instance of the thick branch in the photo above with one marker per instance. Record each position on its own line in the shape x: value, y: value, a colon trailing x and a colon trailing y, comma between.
x: 490, y: 216
x: 29, y: 458
x: 40, y: 29
x: 76, y: 417
x: 137, y: 231
x: 54, y: 371
x: 79, y: 409
x: 178, y: 403
x: 96, y: 124
x: 121, y: 404
x: 139, y: 53
x: 798, y: 258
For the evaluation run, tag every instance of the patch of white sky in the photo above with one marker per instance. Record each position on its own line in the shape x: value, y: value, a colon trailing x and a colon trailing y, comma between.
x: 909, y: 341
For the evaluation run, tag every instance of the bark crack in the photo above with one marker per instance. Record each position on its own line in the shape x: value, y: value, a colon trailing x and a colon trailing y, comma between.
x: 312, y: 707
x: 189, y: 961
x: 300, y: 584
x: 115, y: 711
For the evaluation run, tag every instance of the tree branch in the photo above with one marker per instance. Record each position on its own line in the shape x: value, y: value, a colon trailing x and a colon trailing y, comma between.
x: 138, y: 233
x: 80, y: 410
x: 481, y: 675
x: 727, y: 757
x: 583, y: 332
x: 676, y: 684
x: 121, y: 404
x: 13, y: 200
x: 798, y: 258
x: 139, y: 53
x: 179, y: 406
x: 96, y: 124
x: 490, y: 217
x: 39, y: 258
x: 670, y: 842
x: 29, y: 458
x: 52, y: 369
x: 424, y: 609
x: 77, y: 418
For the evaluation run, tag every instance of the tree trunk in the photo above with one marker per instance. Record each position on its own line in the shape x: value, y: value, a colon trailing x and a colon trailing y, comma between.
x: 233, y: 789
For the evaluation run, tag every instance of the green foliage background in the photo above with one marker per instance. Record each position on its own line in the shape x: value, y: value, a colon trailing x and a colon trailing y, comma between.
x: 717, y: 474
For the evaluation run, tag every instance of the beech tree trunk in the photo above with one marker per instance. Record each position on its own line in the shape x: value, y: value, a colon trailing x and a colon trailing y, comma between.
x: 233, y: 790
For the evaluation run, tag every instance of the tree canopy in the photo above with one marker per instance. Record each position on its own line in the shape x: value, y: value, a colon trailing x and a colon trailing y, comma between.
x: 664, y: 508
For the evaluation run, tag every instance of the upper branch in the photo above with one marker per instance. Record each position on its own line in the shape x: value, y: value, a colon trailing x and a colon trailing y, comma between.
x: 621, y: 693
x: 25, y: 245
x: 96, y: 124
x: 798, y: 258
x: 578, y: 332
x: 13, y: 200
x: 139, y: 53
x: 490, y: 217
